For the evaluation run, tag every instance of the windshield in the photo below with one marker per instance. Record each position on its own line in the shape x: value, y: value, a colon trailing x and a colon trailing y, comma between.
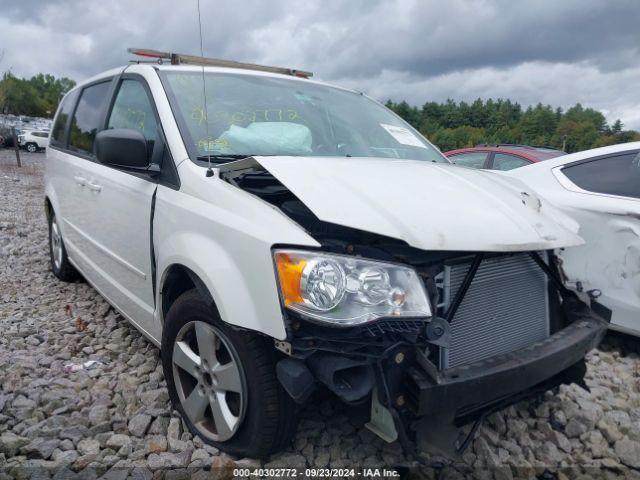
x: 260, y: 115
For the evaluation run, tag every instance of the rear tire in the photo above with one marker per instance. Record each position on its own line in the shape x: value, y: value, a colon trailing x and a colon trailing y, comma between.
x: 267, y: 421
x: 60, y: 265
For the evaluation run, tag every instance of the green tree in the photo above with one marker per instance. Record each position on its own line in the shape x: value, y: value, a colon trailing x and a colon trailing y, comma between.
x: 616, y: 128
x: 38, y: 96
x: 458, y: 124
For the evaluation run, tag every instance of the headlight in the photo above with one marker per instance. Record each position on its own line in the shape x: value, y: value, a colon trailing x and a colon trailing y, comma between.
x: 348, y: 290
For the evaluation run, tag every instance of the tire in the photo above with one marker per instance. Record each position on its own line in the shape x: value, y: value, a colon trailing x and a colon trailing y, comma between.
x: 60, y: 265
x: 263, y: 412
x: 32, y: 147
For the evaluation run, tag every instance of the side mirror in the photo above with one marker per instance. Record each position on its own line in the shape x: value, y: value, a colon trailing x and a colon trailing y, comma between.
x: 122, y: 147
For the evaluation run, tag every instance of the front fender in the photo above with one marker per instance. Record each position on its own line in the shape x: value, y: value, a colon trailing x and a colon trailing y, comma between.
x: 248, y: 301
x: 225, y: 235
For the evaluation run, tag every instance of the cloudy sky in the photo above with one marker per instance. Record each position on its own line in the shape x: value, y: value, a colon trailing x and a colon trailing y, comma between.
x: 557, y: 52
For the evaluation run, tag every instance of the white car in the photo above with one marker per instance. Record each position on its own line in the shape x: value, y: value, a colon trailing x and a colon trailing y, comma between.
x: 33, y: 140
x: 600, y: 188
x: 275, y: 235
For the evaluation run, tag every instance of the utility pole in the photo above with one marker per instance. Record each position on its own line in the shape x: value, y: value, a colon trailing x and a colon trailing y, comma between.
x: 15, y: 145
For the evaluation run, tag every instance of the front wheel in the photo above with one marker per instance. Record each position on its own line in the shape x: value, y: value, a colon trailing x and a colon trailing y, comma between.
x: 223, y: 382
x: 32, y: 147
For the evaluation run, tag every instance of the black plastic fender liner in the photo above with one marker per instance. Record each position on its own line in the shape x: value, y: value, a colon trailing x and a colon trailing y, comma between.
x: 349, y: 379
x: 201, y: 287
x: 296, y: 378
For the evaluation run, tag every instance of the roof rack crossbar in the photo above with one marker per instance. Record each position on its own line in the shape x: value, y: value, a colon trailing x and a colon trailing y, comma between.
x: 181, y: 59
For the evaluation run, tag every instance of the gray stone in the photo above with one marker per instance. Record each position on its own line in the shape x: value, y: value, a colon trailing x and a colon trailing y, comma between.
x: 22, y: 402
x: 629, y: 452
x: 10, y: 443
x: 159, y: 426
x: 176, y: 445
x: 200, y: 454
x: 155, y: 443
x: 290, y: 460
x: 157, y: 461
x: 174, y: 428
x: 575, y: 428
x: 609, y: 430
x: 66, y: 444
x: 74, y: 433
x: 118, y: 440
x: 138, y: 424
x: 549, y: 454
x: 40, y: 448
x: 158, y: 396
x: 98, y: 414
x: 560, y: 441
x: 65, y: 457
x: 88, y: 446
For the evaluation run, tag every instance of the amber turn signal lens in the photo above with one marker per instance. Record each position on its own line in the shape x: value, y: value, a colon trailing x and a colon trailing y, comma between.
x: 290, y: 269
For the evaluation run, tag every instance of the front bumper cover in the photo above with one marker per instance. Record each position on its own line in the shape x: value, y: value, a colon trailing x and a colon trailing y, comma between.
x: 475, y: 387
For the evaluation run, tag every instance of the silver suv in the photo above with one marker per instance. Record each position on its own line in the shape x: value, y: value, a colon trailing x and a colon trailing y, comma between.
x: 276, y: 236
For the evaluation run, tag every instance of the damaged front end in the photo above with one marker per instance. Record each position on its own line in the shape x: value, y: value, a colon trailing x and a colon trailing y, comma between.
x: 498, y: 340
x: 501, y: 327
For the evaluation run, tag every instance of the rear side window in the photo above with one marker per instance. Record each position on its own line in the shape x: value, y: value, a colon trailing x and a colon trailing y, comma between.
x: 58, y: 130
x: 503, y: 161
x: 471, y: 159
x: 86, y: 120
x: 613, y: 175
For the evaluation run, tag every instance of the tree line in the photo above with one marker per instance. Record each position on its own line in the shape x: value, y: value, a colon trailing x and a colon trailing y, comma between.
x: 451, y: 124
x: 37, y: 96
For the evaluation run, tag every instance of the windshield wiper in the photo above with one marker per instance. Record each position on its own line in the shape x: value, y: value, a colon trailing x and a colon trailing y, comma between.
x: 221, y: 158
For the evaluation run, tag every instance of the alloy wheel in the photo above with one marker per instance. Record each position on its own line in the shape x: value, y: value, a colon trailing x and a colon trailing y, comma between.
x: 209, y: 380
x: 56, y: 244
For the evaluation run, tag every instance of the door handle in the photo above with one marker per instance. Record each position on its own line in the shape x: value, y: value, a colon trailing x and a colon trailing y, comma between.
x: 80, y: 180
x: 94, y: 186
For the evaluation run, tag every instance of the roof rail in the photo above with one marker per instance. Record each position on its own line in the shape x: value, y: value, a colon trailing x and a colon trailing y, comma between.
x: 180, y: 59
x: 517, y: 145
x: 548, y: 147
x: 503, y: 145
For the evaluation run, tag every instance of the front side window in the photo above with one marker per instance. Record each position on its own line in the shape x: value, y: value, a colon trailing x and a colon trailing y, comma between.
x: 612, y: 175
x: 263, y: 115
x: 86, y: 120
x: 504, y: 161
x: 132, y: 109
x: 60, y: 124
x: 470, y: 159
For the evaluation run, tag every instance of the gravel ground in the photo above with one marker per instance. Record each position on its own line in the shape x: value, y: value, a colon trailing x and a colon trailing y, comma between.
x: 115, y: 418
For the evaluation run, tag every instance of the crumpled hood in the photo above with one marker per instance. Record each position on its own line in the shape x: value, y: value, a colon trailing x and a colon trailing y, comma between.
x: 428, y: 205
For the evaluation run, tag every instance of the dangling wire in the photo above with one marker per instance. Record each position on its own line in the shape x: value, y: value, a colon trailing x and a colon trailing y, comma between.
x: 204, y: 94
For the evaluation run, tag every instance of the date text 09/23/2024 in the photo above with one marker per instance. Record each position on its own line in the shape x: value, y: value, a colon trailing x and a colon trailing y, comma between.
x: 317, y: 472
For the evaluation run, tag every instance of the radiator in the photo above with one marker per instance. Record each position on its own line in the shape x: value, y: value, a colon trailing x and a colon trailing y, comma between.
x: 506, y: 308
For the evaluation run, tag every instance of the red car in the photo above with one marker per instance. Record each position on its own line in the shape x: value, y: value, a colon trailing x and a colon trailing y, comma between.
x: 501, y: 156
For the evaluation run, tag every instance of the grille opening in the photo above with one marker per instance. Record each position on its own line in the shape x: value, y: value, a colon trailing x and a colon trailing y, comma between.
x: 505, y: 309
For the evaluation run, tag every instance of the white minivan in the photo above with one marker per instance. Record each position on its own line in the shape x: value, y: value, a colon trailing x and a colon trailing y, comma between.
x: 276, y: 236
